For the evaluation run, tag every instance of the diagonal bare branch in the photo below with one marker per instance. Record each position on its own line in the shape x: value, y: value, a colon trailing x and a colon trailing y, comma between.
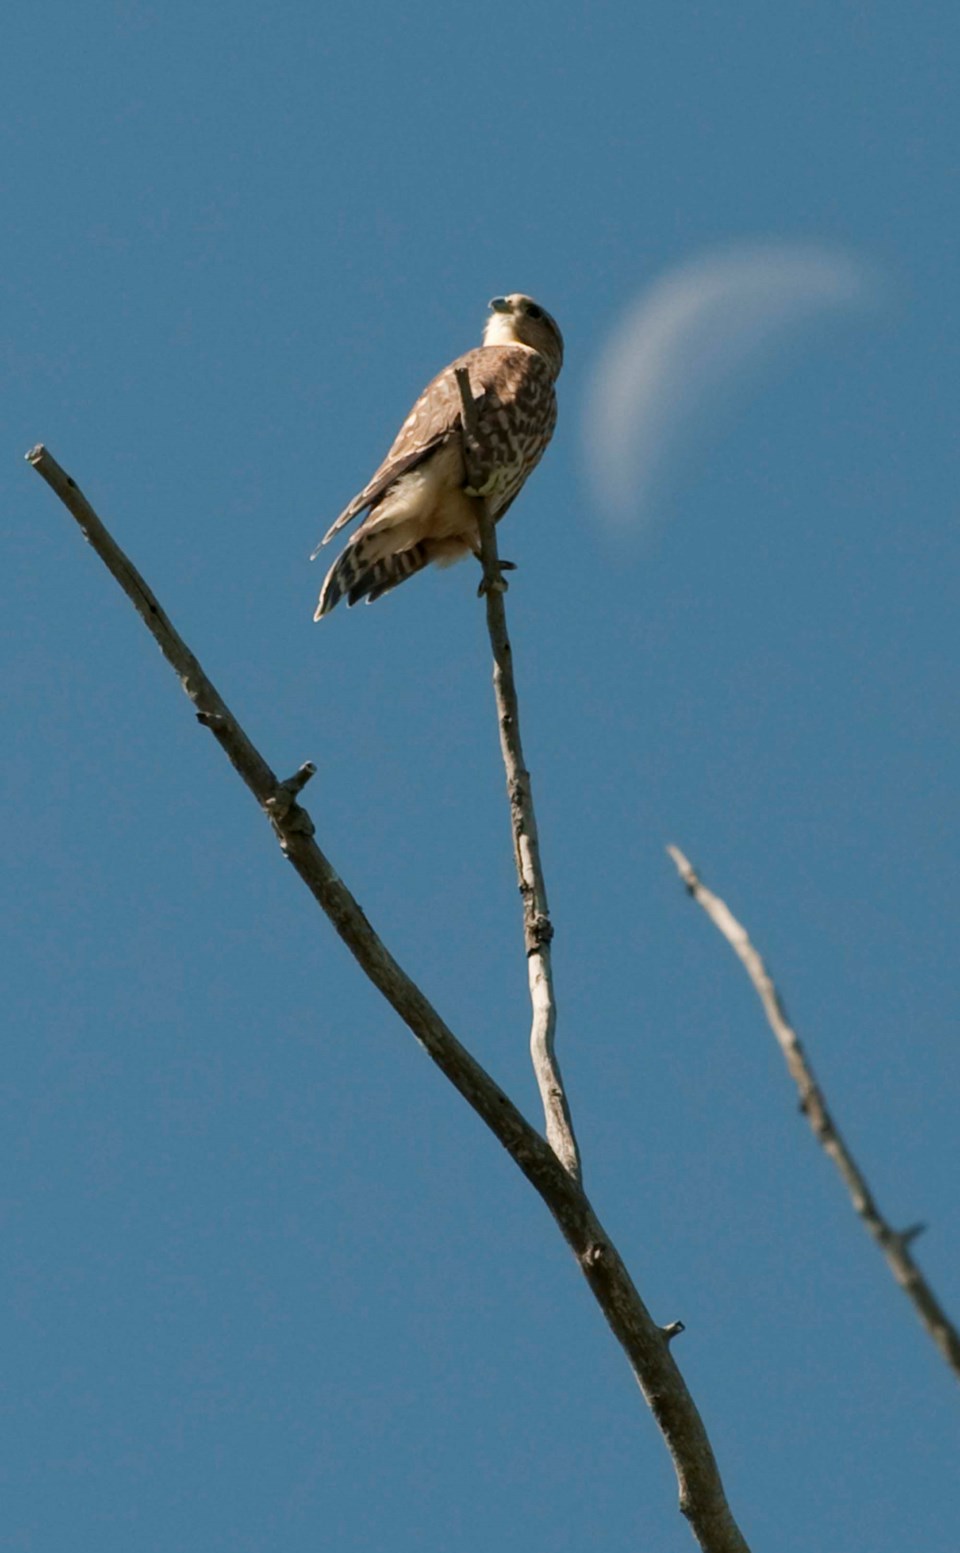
x: 895, y: 1244
x: 646, y: 1345
x: 537, y: 926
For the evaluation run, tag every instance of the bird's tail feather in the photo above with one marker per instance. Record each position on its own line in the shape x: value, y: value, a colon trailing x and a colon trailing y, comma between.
x: 354, y: 575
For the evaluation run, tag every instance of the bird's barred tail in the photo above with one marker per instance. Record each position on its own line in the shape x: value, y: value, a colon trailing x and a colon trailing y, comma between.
x: 354, y: 577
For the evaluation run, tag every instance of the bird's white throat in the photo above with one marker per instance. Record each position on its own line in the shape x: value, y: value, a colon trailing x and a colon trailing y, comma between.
x: 499, y: 330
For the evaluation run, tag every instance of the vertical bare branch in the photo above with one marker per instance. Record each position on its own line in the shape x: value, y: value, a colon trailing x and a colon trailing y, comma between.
x: 646, y: 1345
x: 537, y: 927
x: 893, y: 1243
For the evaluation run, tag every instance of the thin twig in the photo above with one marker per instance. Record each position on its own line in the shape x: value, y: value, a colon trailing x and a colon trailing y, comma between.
x: 893, y: 1243
x: 702, y: 1498
x: 537, y: 927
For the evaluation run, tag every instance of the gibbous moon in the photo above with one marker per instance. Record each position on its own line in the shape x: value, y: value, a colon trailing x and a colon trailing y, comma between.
x: 690, y: 339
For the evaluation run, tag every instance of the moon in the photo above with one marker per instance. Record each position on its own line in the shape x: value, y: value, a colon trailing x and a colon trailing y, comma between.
x: 691, y: 338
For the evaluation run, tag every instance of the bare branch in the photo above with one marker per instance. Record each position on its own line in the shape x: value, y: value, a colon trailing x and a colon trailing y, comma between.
x: 471, y: 426
x: 893, y: 1243
x: 702, y: 1498
x: 537, y: 927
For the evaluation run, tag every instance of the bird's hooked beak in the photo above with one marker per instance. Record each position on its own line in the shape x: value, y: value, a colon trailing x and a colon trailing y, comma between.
x: 499, y: 305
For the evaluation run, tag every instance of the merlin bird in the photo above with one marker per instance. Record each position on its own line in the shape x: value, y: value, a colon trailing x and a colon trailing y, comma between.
x: 421, y: 508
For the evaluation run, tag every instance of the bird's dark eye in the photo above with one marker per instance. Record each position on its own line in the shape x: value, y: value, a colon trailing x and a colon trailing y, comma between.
x: 533, y: 311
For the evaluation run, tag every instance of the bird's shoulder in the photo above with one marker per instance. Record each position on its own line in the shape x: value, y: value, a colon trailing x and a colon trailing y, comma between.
x: 497, y: 373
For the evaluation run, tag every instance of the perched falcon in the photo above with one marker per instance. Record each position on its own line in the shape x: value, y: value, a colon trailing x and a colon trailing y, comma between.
x: 420, y: 508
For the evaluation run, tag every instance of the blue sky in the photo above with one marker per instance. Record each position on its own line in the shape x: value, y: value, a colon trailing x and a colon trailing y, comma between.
x: 269, y: 1283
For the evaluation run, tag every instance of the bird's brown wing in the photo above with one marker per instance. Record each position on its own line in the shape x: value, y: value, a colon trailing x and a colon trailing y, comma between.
x: 391, y: 469
x: 435, y: 418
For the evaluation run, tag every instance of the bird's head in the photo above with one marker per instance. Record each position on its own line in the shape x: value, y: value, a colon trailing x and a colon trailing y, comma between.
x: 519, y: 320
